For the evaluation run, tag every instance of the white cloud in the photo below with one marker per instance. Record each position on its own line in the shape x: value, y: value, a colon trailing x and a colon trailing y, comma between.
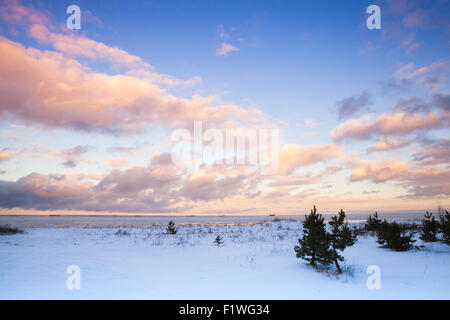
x: 225, y: 49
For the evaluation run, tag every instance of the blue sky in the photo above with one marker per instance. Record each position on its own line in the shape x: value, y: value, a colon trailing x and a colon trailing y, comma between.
x: 300, y: 63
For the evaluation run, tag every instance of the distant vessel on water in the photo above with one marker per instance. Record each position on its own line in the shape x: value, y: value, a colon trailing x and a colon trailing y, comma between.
x: 272, y: 215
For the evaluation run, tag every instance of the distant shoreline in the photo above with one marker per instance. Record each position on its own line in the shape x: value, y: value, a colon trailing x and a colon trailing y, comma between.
x: 117, y: 221
x: 205, y: 215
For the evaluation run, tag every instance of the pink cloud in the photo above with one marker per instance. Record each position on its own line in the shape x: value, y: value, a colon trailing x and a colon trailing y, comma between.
x: 428, y: 181
x: 409, y: 71
x: 209, y: 187
x: 159, y: 187
x: 277, y: 193
x: 418, y: 180
x: 436, y: 153
x: 72, y: 45
x: 377, y: 171
x: 389, y: 124
x: 388, y: 144
x: 164, y: 79
x: 80, y: 46
x: 6, y: 154
x: 14, y: 13
x: 117, y: 162
x: 46, y: 87
x: 304, y: 179
x: 293, y: 156
x: 431, y: 76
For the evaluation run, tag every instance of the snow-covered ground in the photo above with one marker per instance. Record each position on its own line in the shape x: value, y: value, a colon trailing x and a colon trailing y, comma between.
x: 257, y: 261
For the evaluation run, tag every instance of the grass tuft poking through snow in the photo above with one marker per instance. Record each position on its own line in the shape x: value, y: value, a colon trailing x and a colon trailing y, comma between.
x: 6, y: 229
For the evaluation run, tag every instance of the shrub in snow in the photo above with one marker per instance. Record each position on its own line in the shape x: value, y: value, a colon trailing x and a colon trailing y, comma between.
x: 218, y: 241
x: 429, y: 228
x: 314, y: 246
x: 171, y: 229
x: 393, y: 235
x: 6, y: 229
x: 341, y: 237
x: 445, y: 227
x: 121, y: 232
x: 372, y: 223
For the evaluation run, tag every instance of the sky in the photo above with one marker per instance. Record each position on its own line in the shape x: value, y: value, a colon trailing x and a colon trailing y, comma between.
x: 87, y: 115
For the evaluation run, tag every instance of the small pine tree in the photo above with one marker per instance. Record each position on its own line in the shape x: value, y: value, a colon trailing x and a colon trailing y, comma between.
x: 393, y: 236
x: 314, y: 246
x: 342, y: 236
x: 445, y: 227
x: 171, y: 229
x: 373, y: 223
x: 218, y: 241
x: 429, y: 228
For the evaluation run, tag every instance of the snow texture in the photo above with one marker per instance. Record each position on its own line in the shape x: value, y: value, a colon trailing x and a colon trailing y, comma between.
x: 257, y: 261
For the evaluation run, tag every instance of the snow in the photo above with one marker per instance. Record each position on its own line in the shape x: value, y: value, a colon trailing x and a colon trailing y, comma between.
x: 257, y: 261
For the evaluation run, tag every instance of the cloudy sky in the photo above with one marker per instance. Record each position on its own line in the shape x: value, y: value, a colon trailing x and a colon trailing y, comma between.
x: 86, y: 115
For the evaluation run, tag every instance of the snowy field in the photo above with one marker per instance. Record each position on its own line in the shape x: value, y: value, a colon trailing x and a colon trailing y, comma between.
x: 257, y: 261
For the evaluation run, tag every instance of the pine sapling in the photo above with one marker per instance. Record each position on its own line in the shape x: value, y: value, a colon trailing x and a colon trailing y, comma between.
x: 218, y: 241
x: 429, y: 228
x: 373, y: 223
x: 314, y: 246
x: 342, y: 236
x: 171, y: 229
x: 445, y: 227
x: 393, y: 236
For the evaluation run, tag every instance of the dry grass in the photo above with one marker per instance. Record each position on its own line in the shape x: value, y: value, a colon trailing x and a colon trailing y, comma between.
x: 121, y: 232
x: 6, y: 230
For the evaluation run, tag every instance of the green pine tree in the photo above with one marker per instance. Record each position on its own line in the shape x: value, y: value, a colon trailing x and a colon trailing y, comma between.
x: 218, y: 241
x: 393, y: 236
x: 171, y: 229
x: 314, y: 246
x: 342, y: 236
x: 372, y: 223
x: 445, y: 227
x: 429, y: 228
